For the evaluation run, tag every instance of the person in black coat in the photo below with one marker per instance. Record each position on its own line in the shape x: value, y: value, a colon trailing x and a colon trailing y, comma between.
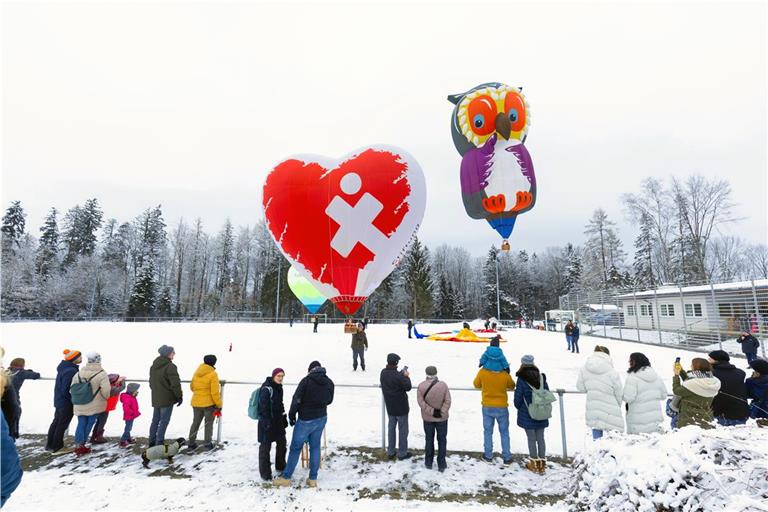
x: 749, y: 346
x: 575, y: 333
x: 314, y: 323
x: 11, y: 408
x: 395, y: 386
x: 272, y: 424
x: 729, y: 407
x: 410, y: 328
x: 62, y: 400
x: 310, y: 401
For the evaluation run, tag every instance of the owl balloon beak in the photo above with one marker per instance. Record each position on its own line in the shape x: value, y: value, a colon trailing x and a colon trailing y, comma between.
x: 503, y: 125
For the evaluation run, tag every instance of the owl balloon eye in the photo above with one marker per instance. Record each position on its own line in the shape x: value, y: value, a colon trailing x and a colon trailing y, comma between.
x: 514, y: 106
x: 482, y: 112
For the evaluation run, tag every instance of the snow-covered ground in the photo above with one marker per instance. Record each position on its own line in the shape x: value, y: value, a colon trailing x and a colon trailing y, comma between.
x: 354, y: 417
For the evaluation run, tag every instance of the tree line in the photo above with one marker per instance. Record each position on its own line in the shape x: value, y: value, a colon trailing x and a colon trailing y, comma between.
x: 82, y: 265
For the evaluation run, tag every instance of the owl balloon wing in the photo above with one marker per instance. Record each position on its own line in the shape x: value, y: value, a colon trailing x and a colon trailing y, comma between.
x: 475, y: 169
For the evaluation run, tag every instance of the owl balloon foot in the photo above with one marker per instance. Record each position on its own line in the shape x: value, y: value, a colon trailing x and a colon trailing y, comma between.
x: 524, y: 200
x: 495, y: 204
x: 505, y: 246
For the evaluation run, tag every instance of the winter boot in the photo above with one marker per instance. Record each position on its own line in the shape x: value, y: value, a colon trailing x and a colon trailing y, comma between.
x: 541, y: 465
x: 532, y: 465
x: 311, y: 483
x: 82, y: 450
x: 124, y: 444
x: 98, y: 437
x: 281, y: 482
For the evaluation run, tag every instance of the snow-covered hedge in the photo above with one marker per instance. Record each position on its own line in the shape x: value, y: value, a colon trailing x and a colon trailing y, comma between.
x: 688, y: 470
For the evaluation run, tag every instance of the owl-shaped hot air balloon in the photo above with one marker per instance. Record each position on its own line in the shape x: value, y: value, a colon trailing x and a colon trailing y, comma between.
x: 489, y: 126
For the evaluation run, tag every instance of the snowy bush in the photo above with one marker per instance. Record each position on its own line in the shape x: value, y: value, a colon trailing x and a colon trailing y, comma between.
x: 689, y: 470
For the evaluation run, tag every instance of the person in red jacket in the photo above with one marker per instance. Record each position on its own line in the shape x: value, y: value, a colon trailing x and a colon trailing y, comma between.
x: 117, y: 384
x: 130, y: 412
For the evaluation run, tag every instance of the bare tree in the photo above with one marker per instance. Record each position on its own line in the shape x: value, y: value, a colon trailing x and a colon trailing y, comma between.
x: 654, y: 203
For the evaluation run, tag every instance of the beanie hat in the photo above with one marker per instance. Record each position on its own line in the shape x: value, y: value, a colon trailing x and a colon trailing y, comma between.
x: 313, y: 365
x: 210, y: 360
x: 279, y: 370
x: 527, y: 359
x: 495, y: 341
x: 113, y: 378
x: 720, y: 355
x: 71, y: 355
x: 760, y: 366
x: 93, y: 357
x: 165, y: 350
x: 431, y: 371
x: 393, y: 358
x: 133, y: 387
x: 18, y: 363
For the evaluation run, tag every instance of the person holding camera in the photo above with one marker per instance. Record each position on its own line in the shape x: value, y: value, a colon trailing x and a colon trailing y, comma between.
x: 434, y: 399
x: 395, y: 385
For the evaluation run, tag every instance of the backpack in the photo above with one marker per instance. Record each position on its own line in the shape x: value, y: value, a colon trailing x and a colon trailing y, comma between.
x: 81, y: 390
x: 253, y: 403
x: 540, y: 407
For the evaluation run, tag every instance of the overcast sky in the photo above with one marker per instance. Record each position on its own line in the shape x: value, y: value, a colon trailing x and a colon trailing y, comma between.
x: 190, y: 104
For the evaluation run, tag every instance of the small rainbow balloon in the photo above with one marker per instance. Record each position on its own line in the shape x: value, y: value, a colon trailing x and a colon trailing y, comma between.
x: 304, y: 291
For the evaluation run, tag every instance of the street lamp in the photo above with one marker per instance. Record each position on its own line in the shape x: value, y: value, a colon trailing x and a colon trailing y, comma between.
x: 498, y: 301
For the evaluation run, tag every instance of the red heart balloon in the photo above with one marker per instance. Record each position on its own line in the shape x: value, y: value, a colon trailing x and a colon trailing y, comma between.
x: 344, y: 223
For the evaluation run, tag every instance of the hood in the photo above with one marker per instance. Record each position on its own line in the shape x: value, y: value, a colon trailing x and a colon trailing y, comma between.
x: 494, y: 353
x: 317, y: 375
x: 203, y: 370
x: 708, y: 387
x: 91, y: 369
x: 160, y: 362
x: 647, y: 374
x: 66, y: 364
x: 599, y: 363
x: 124, y: 397
x: 271, y: 383
x: 529, y: 374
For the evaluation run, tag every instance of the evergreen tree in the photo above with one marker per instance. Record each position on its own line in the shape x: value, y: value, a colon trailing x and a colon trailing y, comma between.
x: 164, y: 304
x: 643, y: 264
x: 48, y: 250
x: 13, y: 227
x: 572, y: 259
x: 445, y: 306
x: 144, y: 296
x: 225, y: 258
x: 80, y: 226
x: 417, y: 279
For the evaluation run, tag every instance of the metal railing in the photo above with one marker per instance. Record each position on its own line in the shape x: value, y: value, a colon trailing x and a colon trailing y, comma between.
x: 559, y: 392
x: 689, y: 316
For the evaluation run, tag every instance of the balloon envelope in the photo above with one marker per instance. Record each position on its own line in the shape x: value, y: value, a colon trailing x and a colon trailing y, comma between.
x: 304, y: 291
x: 345, y: 223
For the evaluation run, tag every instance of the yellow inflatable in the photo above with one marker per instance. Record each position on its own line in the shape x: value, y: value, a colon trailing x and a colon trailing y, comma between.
x: 464, y: 335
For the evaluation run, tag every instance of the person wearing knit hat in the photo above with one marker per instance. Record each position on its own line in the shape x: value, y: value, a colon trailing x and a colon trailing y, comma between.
x: 62, y: 400
x: 89, y: 408
x: 395, y: 385
x: 206, y: 401
x: 93, y: 357
x: 729, y: 406
x: 529, y: 381
x: 757, y: 391
x: 434, y: 399
x: 749, y: 345
x: 270, y: 411
x: 165, y: 386
x: 130, y: 412
x: 310, y: 402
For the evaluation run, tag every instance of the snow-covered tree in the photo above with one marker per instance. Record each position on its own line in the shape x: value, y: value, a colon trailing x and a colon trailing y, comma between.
x: 417, y: 279
x: 48, y: 248
x: 13, y: 227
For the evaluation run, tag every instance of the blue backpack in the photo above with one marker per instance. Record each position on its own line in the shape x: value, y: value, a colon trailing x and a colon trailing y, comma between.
x: 253, y: 403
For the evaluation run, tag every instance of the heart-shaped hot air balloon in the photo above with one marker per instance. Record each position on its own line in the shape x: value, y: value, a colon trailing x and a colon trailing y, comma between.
x: 305, y: 291
x: 344, y: 224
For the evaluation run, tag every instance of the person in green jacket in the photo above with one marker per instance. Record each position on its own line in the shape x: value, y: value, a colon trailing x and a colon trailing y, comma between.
x: 165, y: 384
x: 696, y: 389
x: 359, y: 346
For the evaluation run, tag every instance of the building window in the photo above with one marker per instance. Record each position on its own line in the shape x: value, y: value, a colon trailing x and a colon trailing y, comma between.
x: 630, y: 310
x: 693, y: 310
x: 646, y: 310
x: 667, y: 309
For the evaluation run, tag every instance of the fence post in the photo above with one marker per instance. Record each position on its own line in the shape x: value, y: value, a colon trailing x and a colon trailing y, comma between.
x: 620, y: 315
x: 637, y: 313
x: 658, y: 317
x: 383, y: 423
x: 714, y: 320
x: 602, y: 312
x: 218, y: 425
x: 758, y: 316
x: 562, y: 422
x: 682, y: 312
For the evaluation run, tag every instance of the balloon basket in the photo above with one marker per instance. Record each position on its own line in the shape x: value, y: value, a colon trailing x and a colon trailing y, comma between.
x: 350, y: 327
x: 505, y: 246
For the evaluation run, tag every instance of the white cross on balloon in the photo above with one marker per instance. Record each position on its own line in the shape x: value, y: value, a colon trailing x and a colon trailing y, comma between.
x: 355, y: 222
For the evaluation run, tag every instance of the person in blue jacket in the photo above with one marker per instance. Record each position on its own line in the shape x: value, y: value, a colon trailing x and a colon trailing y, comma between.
x: 529, y: 377
x: 757, y: 389
x: 62, y: 400
x: 493, y: 358
x: 10, y: 466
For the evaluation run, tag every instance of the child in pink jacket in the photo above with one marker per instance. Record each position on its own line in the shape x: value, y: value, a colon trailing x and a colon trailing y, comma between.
x: 130, y: 412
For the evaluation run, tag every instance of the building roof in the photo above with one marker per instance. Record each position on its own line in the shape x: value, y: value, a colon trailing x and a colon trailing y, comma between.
x: 598, y: 307
x: 666, y: 290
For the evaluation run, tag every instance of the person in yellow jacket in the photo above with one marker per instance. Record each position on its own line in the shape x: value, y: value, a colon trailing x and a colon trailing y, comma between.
x: 494, y: 387
x: 206, y: 401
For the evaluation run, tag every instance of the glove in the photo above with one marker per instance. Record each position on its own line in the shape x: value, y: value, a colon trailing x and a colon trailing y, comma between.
x: 437, y: 413
x: 292, y: 420
x: 217, y: 412
x: 181, y: 401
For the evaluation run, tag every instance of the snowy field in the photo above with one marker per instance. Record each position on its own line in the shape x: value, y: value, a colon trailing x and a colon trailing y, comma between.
x: 354, y: 417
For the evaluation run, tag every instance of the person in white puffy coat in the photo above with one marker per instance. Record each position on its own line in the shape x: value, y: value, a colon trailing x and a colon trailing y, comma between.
x: 602, y: 384
x: 644, y: 392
